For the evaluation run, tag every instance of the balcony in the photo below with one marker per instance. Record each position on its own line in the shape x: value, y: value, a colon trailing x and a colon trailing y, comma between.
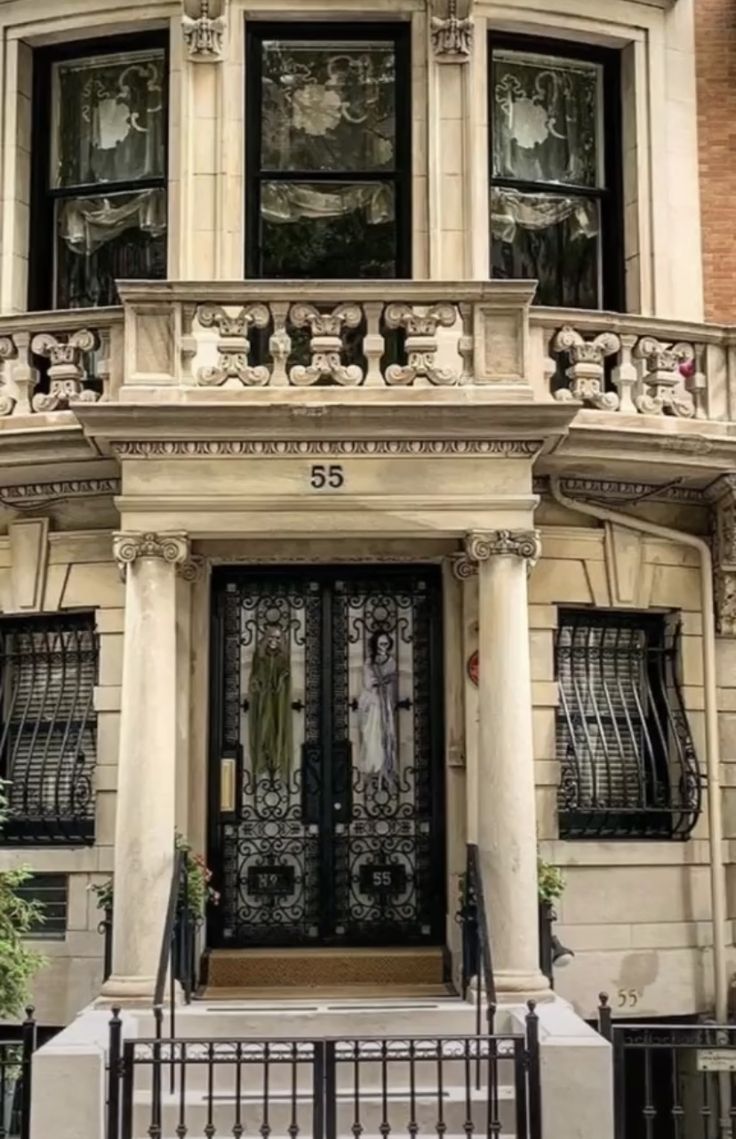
x: 369, y: 345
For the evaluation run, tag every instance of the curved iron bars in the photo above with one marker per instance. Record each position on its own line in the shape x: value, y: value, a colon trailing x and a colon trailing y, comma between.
x: 628, y: 762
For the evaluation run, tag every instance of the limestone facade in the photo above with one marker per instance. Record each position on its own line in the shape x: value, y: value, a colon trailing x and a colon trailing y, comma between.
x: 167, y: 451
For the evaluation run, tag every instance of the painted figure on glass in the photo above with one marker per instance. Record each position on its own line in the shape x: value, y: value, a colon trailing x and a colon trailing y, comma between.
x: 377, y: 710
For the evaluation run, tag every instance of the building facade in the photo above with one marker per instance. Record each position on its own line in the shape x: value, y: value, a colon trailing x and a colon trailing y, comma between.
x: 329, y: 538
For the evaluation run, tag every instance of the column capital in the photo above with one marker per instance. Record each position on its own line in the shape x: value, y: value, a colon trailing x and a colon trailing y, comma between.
x: 130, y: 545
x: 480, y: 545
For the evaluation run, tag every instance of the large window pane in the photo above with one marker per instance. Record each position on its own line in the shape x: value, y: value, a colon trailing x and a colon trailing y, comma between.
x: 335, y: 230
x: 103, y: 239
x: 328, y: 107
x: 108, y: 119
x: 550, y: 237
x: 547, y: 114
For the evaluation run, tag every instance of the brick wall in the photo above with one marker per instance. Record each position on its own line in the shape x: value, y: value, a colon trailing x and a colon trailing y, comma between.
x: 715, y: 44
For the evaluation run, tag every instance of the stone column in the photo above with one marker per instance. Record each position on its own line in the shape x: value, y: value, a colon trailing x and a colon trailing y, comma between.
x: 507, y: 832
x: 146, y: 798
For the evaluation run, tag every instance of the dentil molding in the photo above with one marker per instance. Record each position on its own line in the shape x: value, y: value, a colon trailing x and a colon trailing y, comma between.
x: 229, y: 448
x: 129, y: 546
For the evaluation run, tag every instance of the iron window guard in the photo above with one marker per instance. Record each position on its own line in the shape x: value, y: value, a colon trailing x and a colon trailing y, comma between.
x: 48, y: 672
x: 628, y: 763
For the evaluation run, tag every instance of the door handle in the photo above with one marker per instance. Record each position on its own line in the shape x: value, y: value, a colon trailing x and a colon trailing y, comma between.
x: 228, y: 773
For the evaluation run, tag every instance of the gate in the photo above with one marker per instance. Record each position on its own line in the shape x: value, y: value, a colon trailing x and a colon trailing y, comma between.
x: 327, y: 784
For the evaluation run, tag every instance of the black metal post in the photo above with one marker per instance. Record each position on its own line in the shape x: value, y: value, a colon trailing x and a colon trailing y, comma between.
x: 29, y: 1047
x: 533, y: 1072
x: 113, y: 1076
x: 547, y: 916
x: 105, y: 928
x: 126, y: 1126
x: 605, y: 1027
x: 318, y: 1089
x: 330, y: 1090
x: 619, y: 1085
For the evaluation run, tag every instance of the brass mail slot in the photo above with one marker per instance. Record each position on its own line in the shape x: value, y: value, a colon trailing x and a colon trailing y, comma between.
x: 227, y: 785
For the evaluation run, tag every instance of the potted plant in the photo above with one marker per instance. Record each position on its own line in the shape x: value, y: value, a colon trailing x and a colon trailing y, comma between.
x: 18, y: 963
x: 550, y: 887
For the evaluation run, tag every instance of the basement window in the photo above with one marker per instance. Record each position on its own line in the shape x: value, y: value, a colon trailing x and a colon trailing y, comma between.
x: 48, y: 729
x: 628, y: 767
x: 51, y: 893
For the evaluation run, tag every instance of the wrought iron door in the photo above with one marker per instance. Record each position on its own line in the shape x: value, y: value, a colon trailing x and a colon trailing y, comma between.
x: 327, y: 783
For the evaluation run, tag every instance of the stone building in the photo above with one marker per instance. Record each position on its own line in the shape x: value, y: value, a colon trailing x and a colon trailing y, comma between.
x: 367, y: 433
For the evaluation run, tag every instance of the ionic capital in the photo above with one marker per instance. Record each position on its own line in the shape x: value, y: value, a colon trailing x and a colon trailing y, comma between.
x: 480, y: 545
x: 129, y: 546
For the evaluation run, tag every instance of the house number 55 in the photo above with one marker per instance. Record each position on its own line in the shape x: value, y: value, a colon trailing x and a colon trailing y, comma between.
x: 332, y: 476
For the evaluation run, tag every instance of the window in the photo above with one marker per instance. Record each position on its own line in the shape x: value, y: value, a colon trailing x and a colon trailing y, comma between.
x: 328, y: 151
x: 628, y: 765
x: 50, y: 891
x: 48, y: 670
x: 100, y: 172
x: 555, y: 158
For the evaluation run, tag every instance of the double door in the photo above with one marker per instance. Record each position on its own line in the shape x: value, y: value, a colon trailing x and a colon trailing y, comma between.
x: 326, y: 785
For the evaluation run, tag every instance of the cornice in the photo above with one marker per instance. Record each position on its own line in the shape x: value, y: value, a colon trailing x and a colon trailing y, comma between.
x: 31, y: 494
x: 622, y: 491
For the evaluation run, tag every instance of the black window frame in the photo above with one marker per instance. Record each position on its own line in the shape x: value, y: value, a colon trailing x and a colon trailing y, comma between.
x: 41, y: 282
x: 400, y: 33
x: 611, y: 195
x: 668, y: 808
x: 35, y: 821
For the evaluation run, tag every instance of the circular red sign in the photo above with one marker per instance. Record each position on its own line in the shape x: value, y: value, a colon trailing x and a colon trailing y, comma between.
x: 473, y: 667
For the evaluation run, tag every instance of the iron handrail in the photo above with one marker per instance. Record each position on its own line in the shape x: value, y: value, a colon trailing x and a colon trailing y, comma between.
x: 484, y: 941
x: 167, y: 940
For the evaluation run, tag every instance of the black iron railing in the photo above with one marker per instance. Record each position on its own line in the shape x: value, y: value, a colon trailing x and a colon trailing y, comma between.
x: 672, y: 1081
x: 15, y: 1081
x: 628, y: 763
x: 48, y: 672
x: 477, y: 962
x: 332, y: 1087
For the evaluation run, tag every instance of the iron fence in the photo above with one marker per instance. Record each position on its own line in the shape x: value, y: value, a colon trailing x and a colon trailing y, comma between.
x: 457, y: 1085
x: 672, y: 1081
x: 15, y: 1081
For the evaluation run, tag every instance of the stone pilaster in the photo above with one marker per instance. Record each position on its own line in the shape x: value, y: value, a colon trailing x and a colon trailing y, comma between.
x: 506, y: 822
x: 146, y: 799
x: 723, y: 528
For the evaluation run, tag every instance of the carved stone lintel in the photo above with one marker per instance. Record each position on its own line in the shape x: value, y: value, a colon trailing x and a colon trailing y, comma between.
x: 204, y: 34
x: 129, y: 546
x: 724, y: 554
x: 451, y: 30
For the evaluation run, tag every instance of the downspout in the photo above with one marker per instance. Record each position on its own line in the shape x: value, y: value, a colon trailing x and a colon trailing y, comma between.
x: 712, y: 748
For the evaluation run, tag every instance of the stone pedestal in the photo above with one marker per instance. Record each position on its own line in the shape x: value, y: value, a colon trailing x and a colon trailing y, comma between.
x: 146, y: 799
x: 506, y: 824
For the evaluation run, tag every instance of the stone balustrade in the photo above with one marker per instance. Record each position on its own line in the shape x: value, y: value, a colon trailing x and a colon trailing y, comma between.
x: 634, y: 365
x: 266, y: 340
x: 52, y: 359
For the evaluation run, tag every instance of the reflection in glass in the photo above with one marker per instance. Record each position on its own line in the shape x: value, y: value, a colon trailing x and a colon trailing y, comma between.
x: 103, y: 239
x: 546, y: 116
x: 328, y: 107
x: 108, y: 119
x: 332, y: 230
x: 550, y: 237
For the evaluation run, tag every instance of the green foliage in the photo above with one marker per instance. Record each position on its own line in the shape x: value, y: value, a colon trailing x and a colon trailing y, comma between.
x: 199, y: 890
x: 18, y: 963
x: 550, y: 881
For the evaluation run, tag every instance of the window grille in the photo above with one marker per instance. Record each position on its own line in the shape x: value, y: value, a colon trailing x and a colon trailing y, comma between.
x: 48, y: 670
x: 51, y: 891
x: 628, y: 764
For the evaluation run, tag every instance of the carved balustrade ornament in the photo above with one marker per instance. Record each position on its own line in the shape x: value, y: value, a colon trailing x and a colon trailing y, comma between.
x: 649, y: 377
x: 67, y: 370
